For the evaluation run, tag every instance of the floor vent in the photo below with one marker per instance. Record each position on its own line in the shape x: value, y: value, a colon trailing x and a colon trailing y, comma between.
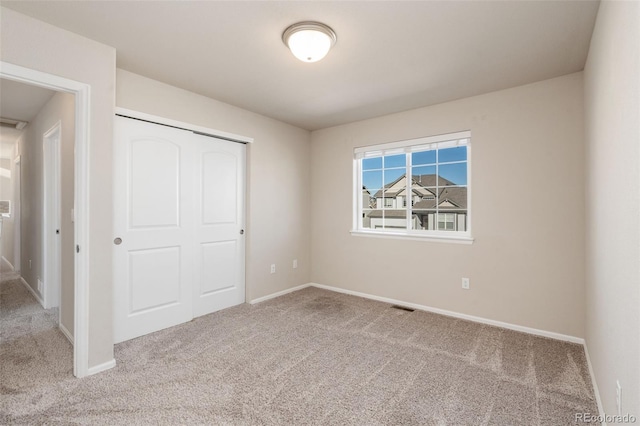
x: 402, y: 308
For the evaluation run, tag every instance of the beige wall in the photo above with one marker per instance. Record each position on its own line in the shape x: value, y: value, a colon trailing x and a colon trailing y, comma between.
x: 526, y: 264
x: 277, y: 168
x: 612, y: 116
x: 61, y: 108
x: 33, y: 44
x: 7, y: 223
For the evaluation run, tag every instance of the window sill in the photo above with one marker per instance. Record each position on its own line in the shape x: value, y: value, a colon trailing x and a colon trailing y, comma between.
x: 402, y: 236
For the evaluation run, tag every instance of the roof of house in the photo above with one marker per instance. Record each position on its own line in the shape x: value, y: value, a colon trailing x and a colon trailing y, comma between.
x: 422, y: 180
x: 430, y: 180
x: 454, y: 195
x: 395, y: 214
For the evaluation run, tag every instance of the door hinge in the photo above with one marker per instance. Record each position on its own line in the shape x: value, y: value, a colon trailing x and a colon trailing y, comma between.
x: 77, y: 249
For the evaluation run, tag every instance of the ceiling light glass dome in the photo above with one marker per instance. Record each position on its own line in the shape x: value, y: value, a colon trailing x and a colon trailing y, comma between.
x: 309, y: 41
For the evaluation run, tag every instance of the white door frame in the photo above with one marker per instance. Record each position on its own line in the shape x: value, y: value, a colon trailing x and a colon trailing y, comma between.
x: 51, y: 251
x: 82, y: 94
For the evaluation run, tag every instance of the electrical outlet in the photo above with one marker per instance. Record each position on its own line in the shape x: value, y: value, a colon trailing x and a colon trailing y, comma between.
x: 295, y: 263
x: 40, y: 286
x: 273, y: 268
x: 465, y: 283
x: 619, y: 397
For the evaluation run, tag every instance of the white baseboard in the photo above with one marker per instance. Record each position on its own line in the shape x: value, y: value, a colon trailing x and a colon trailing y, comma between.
x: 101, y: 367
x: 66, y: 333
x: 280, y: 293
x: 33, y: 292
x: 594, y: 383
x: 8, y: 264
x: 473, y: 318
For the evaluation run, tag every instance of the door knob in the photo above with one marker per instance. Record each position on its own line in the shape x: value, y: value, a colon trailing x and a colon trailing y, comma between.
x: 117, y: 241
x: 241, y: 231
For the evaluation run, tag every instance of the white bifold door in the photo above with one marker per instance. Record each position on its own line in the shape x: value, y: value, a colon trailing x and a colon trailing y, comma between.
x: 179, y: 225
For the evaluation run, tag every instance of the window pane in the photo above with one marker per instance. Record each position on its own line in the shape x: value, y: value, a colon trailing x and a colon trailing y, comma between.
x: 392, y: 179
x: 372, y: 181
x: 395, y: 161
x: 458, y: 153
x: 424, y: 175
x: 372, y: 163
x: 455, y: 174
x: 423, y: 157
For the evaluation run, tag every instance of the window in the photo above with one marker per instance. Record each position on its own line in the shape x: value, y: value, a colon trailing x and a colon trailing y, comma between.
x: 433, y: 172
x: 446, y: 221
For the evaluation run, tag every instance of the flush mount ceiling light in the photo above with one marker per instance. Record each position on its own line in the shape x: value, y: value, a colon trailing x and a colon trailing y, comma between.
x: 309, y: 41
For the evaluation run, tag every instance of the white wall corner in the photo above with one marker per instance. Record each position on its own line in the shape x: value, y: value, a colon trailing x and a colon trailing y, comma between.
x: 594, y: 383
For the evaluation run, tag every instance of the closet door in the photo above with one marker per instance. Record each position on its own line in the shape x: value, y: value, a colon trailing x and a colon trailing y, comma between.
x: 179, y: 226
x: 219, y: 225
x: 154, y: 227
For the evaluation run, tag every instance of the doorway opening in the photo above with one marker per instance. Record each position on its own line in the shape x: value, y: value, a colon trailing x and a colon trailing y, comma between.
x: 80, y: 191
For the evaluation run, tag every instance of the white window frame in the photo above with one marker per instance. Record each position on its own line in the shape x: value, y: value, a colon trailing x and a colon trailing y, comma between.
x: 462, y: 138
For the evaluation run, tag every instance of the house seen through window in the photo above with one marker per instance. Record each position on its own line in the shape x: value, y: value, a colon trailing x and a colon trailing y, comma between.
x: 418, y: 187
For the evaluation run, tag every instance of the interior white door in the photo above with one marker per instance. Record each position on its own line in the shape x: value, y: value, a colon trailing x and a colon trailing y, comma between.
x: 51, y: 241
x: 179, y: 225
x: 219, y: 229
x: 153, y: 209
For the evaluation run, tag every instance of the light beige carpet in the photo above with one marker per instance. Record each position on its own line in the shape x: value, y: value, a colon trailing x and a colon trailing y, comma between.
x: 310, y: 357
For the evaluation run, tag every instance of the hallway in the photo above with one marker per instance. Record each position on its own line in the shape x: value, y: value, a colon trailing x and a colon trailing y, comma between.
x: 33, y: 351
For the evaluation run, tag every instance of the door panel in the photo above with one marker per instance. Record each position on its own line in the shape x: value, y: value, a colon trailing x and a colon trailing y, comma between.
x: 150, y: 206
x: 219, y: 267
x: 153, y: 197
x: 220, y: 279
x: 220, y: 188
x: 154, y: 279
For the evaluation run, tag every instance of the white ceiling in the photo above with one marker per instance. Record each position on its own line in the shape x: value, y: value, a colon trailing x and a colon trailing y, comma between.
x: 19, y: 102
x: 390, y: 55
